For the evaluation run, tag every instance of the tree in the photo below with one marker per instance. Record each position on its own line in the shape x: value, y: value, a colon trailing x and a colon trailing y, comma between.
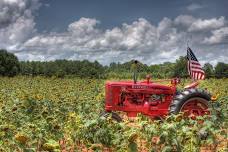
x: 221, y: 70
x: 208, y: 69
x: 180, y: 68
x: 9, y: 64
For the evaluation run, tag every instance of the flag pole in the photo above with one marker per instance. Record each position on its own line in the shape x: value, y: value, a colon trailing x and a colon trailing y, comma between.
x: 187, y: 44
x: 193, y: 80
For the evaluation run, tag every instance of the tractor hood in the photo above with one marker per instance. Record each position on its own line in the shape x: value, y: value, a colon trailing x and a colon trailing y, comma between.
x: 139, y: 85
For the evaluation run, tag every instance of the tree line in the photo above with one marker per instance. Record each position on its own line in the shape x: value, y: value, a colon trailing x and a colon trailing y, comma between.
x: 11, y: 66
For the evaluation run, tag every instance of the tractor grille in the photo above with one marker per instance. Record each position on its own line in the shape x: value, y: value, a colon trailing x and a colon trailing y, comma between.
x: 108, y: 94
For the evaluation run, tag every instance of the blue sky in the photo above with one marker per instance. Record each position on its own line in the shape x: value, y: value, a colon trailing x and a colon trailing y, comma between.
x: 56, y: 15
x: 152, y: 31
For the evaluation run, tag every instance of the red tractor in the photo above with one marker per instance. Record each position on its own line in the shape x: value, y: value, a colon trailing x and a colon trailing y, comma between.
x: 153, y: 99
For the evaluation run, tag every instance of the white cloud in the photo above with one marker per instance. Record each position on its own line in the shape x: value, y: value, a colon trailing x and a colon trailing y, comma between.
x: 218, y: 36
x: 207, y: 24
x: 84, y: 25
x: 184, y: 20
x: 47, y: 5
x: 16, y: 22
x: 139, y: 40
x: 83, y: 39
x: 194, y: 6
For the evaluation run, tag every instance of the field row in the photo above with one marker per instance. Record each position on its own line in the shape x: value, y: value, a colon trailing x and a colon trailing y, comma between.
x: 51, y: 114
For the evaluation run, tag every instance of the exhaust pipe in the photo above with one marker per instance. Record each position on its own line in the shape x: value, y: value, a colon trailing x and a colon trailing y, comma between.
x: 135, y: 71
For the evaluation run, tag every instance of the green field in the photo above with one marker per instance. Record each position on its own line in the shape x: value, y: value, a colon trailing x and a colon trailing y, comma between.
x: 53, y: 114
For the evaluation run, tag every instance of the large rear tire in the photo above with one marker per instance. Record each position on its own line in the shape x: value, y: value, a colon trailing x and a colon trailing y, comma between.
x: 191, y: 102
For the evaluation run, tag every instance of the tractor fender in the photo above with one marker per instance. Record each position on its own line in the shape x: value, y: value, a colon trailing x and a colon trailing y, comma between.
x: 192, y: 85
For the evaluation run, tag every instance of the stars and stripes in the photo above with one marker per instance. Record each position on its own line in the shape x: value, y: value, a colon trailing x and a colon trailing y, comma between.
x: 194, y: 68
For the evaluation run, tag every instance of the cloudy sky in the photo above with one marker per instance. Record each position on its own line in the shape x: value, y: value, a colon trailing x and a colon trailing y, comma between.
x: 152, y: 31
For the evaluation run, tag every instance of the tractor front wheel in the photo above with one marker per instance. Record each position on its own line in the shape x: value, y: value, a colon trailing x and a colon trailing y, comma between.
x: 192, y: 102
x: 113, y: 115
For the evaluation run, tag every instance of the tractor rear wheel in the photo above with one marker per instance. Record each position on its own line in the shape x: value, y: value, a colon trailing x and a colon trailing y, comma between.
x: 113, y: 115
x: 192, y: 102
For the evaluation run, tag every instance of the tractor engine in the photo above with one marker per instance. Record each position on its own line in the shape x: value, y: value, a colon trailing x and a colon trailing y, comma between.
x: 142, y: 97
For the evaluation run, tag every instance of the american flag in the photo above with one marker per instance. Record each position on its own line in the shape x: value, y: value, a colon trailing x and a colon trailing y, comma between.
x: 194, y: 68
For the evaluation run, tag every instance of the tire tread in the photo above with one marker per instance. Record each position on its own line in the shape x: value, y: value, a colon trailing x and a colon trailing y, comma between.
x: 185, y: 95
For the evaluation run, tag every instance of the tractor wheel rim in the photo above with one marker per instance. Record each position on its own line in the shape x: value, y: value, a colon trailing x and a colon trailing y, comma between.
x: 195, y: 107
